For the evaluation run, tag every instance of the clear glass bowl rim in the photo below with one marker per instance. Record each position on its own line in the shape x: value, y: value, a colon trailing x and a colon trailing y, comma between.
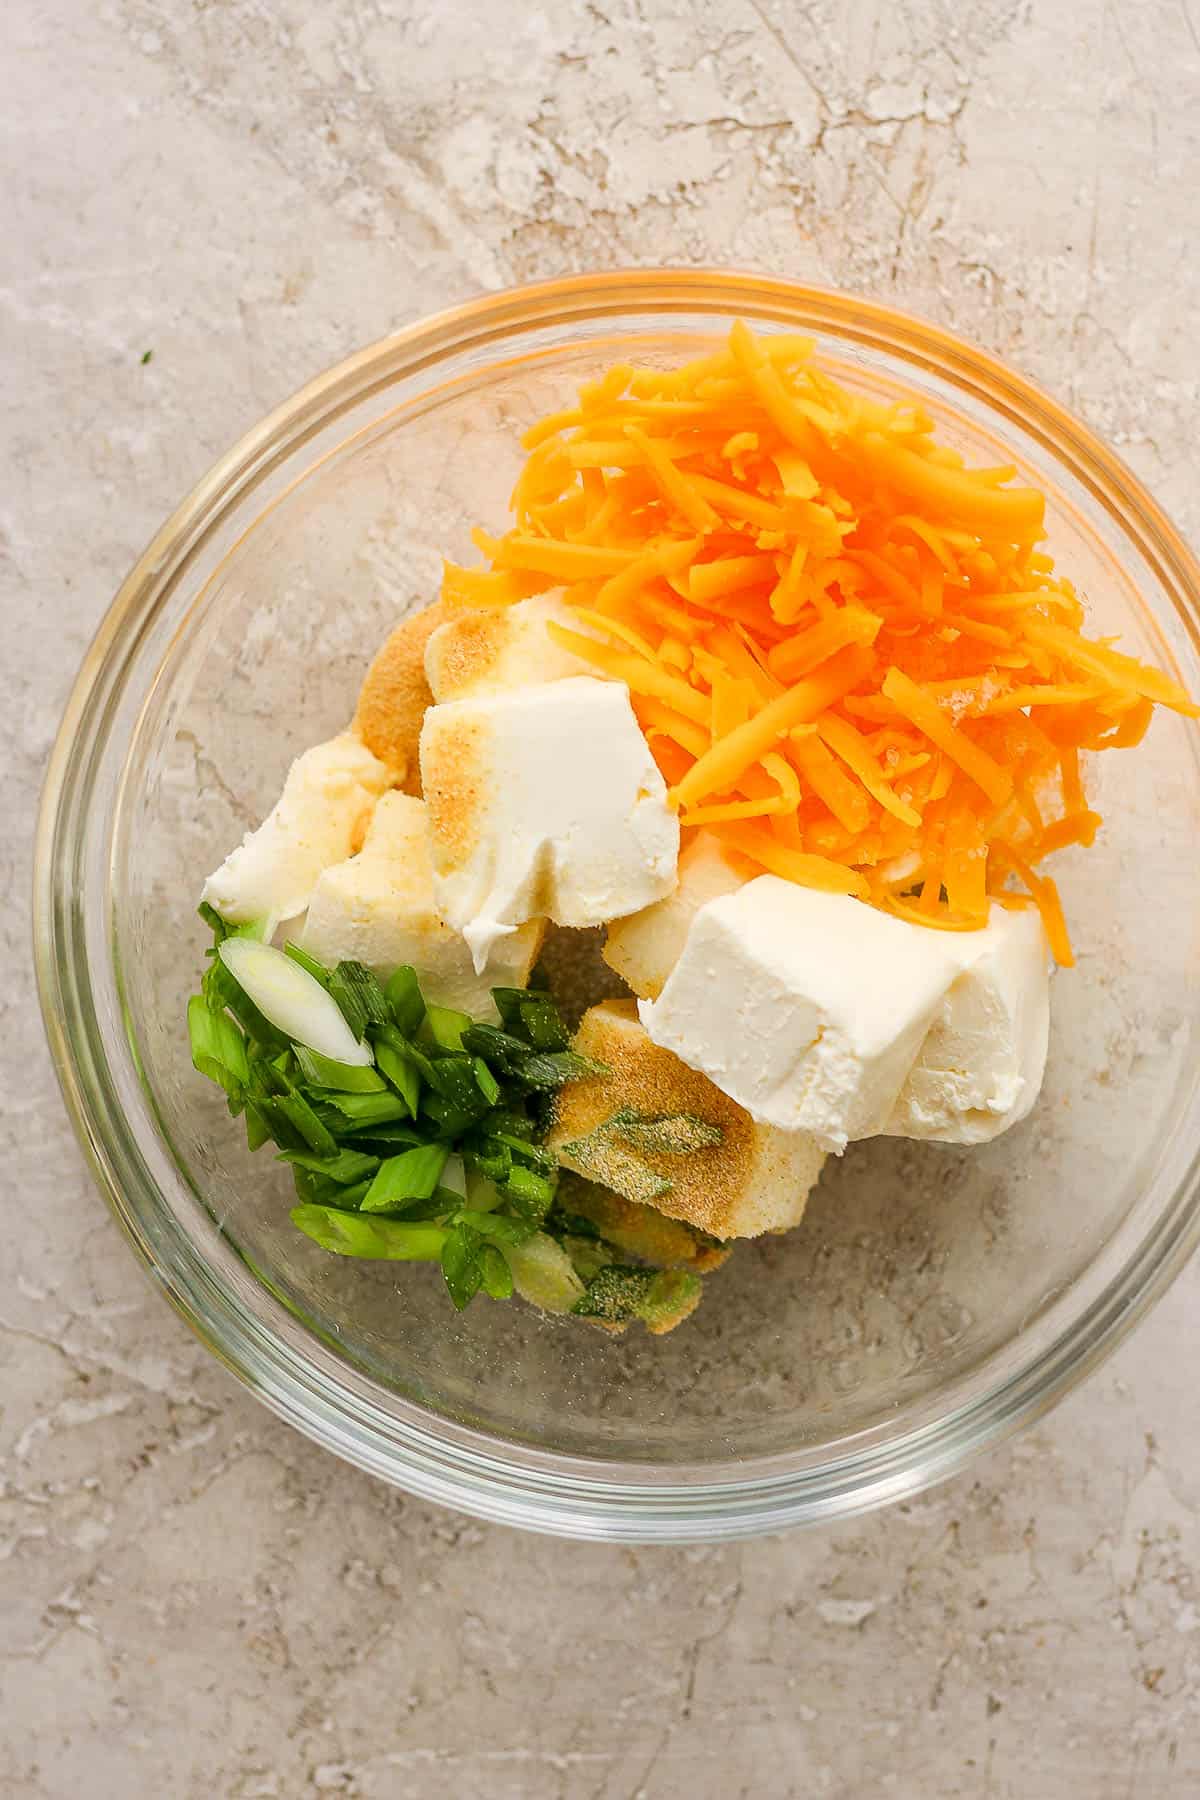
x: 428, y: 1455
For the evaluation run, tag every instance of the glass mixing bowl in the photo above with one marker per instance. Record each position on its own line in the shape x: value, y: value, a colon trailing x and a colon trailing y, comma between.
x: 934, y: 1298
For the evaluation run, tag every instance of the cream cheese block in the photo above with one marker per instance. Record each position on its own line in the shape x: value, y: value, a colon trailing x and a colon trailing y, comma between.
x: 807, y: 1008
x: 319, y: 819
x: 378, y: 908
x: 544, y: 802
x: 492, y: 650
x: 644, y: 948
x: 756, y: 1178
x: 980, y: 1067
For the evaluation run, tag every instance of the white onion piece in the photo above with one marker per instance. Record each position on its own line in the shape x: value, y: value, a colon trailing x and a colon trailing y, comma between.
x: 293, y: 1000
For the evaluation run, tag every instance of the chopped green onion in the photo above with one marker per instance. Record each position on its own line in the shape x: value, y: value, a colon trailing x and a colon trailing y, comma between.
x: 461, y: 1266
x: 497, y: 1227
x: 489, y: 1157
x: 583, y: 1209
x: 314, y: 1190
x: 281, y: 1128
x: 422, y: 1151
x: 542, y: 1160
x: 285, y: 1127
x: 222, y: 991
x: 222, y: 928
x: 495, y: 1274
x: 269, y: 1074
x: 401, y: 1073
x: 387, y: 1034
x: 615, y: 1293
x: 318, y: 1190
x: 446, y: 1026
x: 291, y: 999
x: 499, y: 1048
x: 350, y: 1199
x: 485, y: 1081
x: 404, y: 997
x: 543, y: 1275
x: 541, y: 1023
x: 218, y: 1048
x: 454, y: 1079
x: 347, y: 1078
x: 672, y: 1134
x: 346, y: 1166
x: 470, y: 1257
x: 554, y: 1067
x: 364, y: 1109
x: 507, y: 1119
x: 258, y: 1130
x: 359, y: 997
x: 508, y: 1002
x: 604, y: 1160
x: 213, y: 920
x: 412, y: 1175
x: 316, y: 969
x: 672, y: 1295
x: 329, y: 1116
x: 660, y: 1297
x: 528, y: 1193
x: 352, y: 1234
x: 443, y: 1203
x: 300, y: 1115
x: 448, y: 1120
x: 588, y: 1255
x: 384, y: 1140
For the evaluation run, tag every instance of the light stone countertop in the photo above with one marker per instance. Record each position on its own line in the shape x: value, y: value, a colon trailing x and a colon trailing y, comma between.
x: 195, y: 1603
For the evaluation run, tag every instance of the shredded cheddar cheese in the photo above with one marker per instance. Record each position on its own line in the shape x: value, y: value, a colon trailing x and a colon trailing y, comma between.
x: 849, y: 657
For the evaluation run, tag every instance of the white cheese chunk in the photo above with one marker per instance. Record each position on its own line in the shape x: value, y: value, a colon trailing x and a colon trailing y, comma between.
x: 493, y: 650
x: 319, y: 819
x: 644, y: 949
x: 806, y: 1008
x: 980, y: 1067
x: 378, y: 908
x: 543, y: 803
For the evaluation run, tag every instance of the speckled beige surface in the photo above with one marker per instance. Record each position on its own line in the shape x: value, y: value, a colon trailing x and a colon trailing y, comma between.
x: 194, y: 1602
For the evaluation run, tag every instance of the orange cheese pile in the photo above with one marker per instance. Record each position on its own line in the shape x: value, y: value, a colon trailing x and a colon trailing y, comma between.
x: 848, y: 655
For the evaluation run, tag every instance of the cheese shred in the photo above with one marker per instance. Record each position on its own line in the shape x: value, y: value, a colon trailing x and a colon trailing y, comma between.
x: 850, y: 658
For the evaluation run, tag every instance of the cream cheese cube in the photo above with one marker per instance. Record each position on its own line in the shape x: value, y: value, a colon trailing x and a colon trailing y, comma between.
x: 319, y: 819
x: 378, y: 908
x: 493, y: 650
x: 543, y: 803
x: 755, y: 1179
x: 644, y: 948
x: 394, y: 694
x: 981, y: 1065
x: 806, y: 1008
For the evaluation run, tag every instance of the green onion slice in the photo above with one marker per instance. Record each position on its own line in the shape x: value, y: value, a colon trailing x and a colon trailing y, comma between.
x: 362, y: 1110
x: 300, y: 955
x: 413, y: 1175
x: 348, y: 1167
x: 359, y: 996
x: 550, y: 1069
x: 347, y: 1078
x: 292, y: 1000
x: 404, y: 997
x: 401, y: 1072
x: 385, y: 1240
x: 446, y: 1026
x: 218, y: 1047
